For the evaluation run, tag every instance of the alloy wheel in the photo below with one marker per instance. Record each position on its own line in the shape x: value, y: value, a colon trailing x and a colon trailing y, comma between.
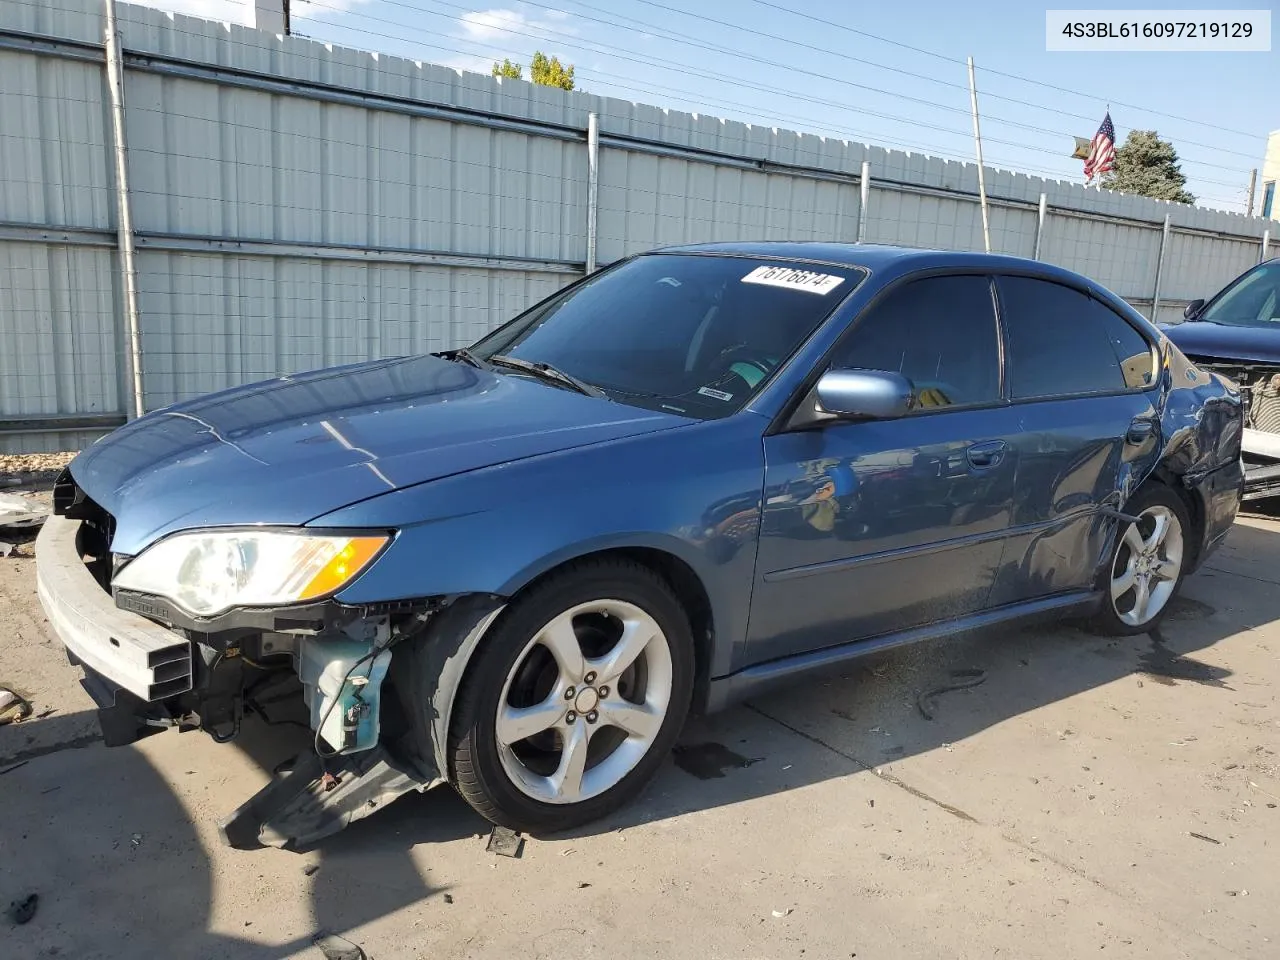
x: 1147, y: 565
x: 584, y: 701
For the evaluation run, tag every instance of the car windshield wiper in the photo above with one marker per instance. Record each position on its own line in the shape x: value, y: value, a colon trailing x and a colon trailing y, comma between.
x: 463, y: 355
x: 546, y: 371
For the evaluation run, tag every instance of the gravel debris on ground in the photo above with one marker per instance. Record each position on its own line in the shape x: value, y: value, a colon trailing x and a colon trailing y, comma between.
x: 32, y: 468
x: 29, y: 476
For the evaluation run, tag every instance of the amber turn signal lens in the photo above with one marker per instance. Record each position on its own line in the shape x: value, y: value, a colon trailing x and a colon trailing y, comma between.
x: 345, y: 565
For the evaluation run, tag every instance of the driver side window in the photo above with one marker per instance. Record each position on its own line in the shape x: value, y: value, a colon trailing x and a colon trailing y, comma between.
x: 940, y: 333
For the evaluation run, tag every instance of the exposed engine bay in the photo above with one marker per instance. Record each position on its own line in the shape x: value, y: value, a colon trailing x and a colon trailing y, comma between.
x: 1260, y: 390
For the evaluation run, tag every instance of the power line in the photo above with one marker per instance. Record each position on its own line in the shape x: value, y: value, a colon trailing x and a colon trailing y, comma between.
x: 610, y: 80
x: 696, y: 99
x: 540, y: 32
x: 1000, y: 73
x: 863, y: 33
x: 676, y: 38
x: 920, y: 76
x: 963, y: 111
x: 657, y: 61
x: 701, y: 100
x: 617, y: 52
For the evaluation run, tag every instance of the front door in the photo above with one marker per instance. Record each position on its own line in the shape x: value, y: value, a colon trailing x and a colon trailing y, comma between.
x: 878, y: 526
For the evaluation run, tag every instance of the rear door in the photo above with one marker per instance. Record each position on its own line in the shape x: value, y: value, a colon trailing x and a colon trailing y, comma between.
x: 1084, y: 382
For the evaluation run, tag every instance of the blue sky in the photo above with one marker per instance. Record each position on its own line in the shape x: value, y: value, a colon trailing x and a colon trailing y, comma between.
x: 848, y: 70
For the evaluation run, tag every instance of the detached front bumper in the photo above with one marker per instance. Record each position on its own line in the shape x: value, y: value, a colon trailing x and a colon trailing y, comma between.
x: 145, y: 676
x: 148, y: 660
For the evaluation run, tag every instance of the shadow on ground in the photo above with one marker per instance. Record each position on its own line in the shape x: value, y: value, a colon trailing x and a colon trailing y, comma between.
x: 884, y: 708
x: 120, y: 856
x: 107, y: 836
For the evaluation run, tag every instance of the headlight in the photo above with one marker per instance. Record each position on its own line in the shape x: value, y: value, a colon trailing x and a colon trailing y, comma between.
x: 210, y: 572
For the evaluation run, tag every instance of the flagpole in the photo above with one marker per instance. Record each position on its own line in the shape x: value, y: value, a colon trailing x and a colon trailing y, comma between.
x: 982, y: 176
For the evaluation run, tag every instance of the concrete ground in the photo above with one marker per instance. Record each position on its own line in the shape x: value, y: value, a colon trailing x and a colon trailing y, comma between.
x: 1090, y: 795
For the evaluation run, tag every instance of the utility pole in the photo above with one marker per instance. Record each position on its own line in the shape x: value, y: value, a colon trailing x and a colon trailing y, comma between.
x: 1253, y: 182
x: 982, y: 175
x: 124, y: 208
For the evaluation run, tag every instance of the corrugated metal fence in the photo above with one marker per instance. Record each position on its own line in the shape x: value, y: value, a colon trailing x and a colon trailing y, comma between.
x: 297, y: 206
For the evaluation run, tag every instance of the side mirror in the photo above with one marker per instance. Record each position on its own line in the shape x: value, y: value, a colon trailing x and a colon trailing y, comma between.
x: 1193, y: 309
x: 865, y: 394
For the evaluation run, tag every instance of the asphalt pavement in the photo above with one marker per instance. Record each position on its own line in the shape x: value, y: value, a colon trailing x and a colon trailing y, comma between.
x: 1072, y: 795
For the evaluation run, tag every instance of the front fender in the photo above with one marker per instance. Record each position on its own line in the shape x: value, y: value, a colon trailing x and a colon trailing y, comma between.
x: 425, y: 675
x: 692, y: 493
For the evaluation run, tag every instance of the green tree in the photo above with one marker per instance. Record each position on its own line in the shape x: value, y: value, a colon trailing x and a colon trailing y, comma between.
x: 507, y: 70
x: 550, y: 72
x: 1148, y: 166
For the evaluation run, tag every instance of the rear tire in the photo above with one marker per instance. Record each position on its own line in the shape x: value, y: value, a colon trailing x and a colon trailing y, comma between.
x: 574, y: 698
x: 1147, y: 563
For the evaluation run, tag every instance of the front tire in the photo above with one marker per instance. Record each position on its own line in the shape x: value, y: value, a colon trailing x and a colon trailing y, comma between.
x: 575, y: 697
x: 1147, y: 563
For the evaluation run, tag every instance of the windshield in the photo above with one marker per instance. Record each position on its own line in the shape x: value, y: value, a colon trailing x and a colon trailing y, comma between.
x: 1252, y: 301
x: 693, y: 334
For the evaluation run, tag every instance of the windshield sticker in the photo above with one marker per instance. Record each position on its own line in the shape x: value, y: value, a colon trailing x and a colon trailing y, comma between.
x: 715, y: 394
x: 792, y: 279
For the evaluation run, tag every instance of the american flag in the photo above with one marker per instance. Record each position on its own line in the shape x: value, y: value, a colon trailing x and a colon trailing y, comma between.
x: 1102, y: 153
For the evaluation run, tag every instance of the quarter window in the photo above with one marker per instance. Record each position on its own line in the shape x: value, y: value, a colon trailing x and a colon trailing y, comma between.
x: 1137, y: 363
x: 1062, y: 342
x: 940, y: 333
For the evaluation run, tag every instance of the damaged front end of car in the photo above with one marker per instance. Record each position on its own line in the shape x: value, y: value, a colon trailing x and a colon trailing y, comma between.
x: 1236, y: 334
x: 1259, y: 385
x: 347, y: 672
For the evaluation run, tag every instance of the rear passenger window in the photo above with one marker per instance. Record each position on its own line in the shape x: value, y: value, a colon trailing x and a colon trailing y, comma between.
x: 1061, y: 341
x: 940, y: 333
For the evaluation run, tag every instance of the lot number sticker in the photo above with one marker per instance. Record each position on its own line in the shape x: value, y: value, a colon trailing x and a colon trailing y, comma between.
x: 792, y: 279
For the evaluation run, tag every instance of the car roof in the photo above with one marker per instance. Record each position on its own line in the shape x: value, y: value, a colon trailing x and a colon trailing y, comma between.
x: 869, y: 255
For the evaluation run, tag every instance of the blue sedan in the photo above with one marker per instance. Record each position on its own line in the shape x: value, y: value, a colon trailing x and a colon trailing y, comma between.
x: 703, y: 471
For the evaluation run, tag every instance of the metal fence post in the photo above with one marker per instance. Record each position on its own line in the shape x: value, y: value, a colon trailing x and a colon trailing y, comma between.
x: 1266, y: 244
x: 864, y: 194
x: 593, y: 187
x: 1155, y: 291
x: 124, y: 210
x: 1041, y: 215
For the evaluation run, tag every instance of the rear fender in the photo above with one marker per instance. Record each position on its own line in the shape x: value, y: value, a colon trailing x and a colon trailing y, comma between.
x: 1202, y: 426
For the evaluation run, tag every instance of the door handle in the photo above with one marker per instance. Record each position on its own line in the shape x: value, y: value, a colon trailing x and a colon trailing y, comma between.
x: 1140, y: 430
x: 985, y: 455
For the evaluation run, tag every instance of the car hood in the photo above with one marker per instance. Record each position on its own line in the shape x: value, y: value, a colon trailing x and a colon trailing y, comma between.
x: 1199, y: 338
x: 286, y: 451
